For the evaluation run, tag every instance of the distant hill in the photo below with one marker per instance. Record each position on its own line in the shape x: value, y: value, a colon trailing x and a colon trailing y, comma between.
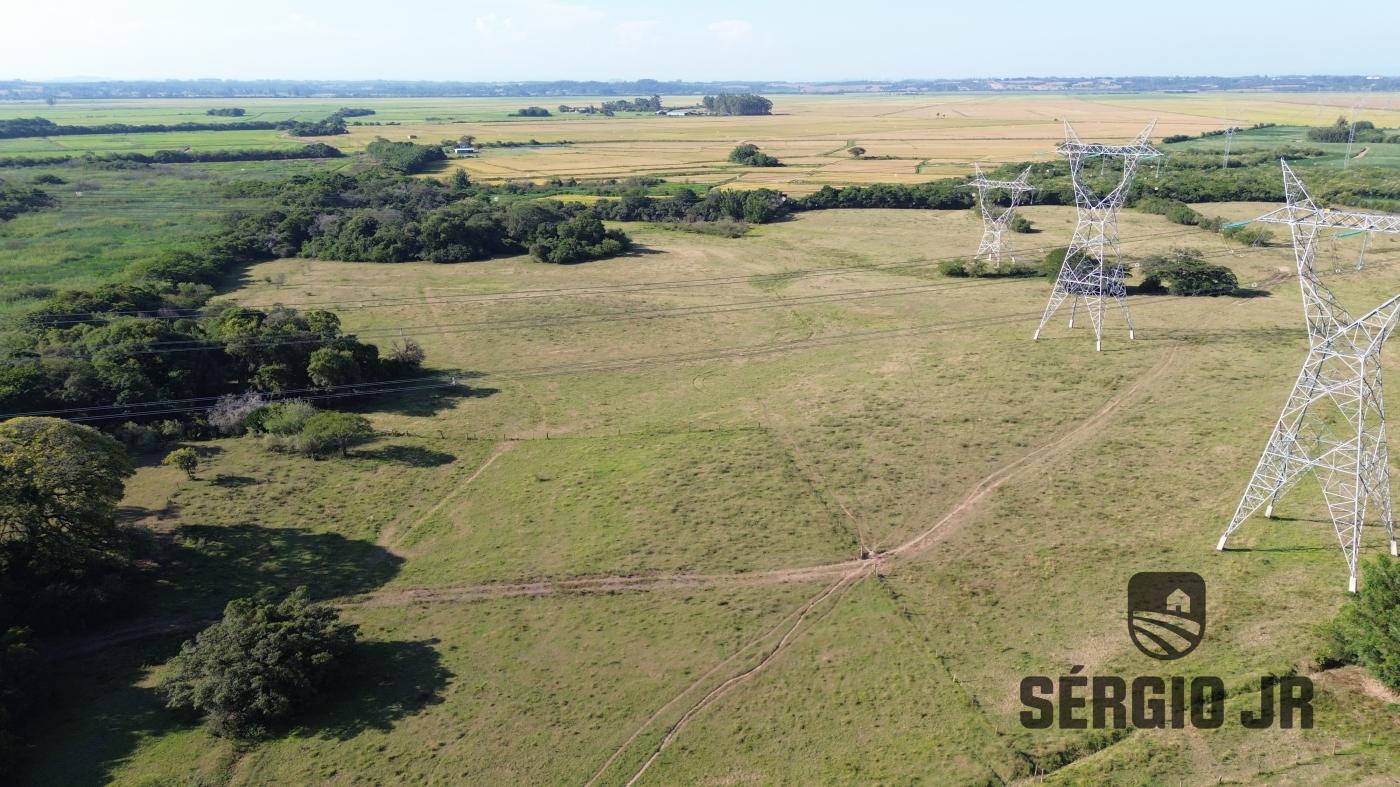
x: 221, y: 88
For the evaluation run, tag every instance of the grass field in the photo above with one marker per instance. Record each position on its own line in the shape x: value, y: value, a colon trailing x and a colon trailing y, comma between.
x: 634, y: 547
x: 108, y: 219
x: 630, y: 546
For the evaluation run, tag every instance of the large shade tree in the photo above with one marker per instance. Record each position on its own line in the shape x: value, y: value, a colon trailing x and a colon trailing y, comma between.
x: 59, y: 487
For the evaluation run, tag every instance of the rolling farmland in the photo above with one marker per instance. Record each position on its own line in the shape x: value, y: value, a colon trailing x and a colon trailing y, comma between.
x: 788, y: 508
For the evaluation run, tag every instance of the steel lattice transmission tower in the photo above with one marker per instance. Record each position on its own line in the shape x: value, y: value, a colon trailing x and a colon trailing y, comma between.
x: 995, y: 225
x: 1091, y: 271
x: 1334, y: 422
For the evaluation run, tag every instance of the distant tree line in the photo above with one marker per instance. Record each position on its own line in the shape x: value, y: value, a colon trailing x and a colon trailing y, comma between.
x: 227, y: 112
x: 737, y: 104
x: 309, y: 151
x: 1364, y: 130
x: 757, y: 206
x: 1171, y: 139
x: 652, y: 104
x: 531, y: 112
x: 294, y: 88
x: 15, y: 128
x: 404, y: 157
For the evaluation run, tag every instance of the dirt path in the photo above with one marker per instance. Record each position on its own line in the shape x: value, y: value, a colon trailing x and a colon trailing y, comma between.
x: 835, y: 590
x: 908, y: 549
x: 939, y: 530
x: 1086, y: 429
x: 797, y: 613
x: 605, y: 584
x: 390, y: 533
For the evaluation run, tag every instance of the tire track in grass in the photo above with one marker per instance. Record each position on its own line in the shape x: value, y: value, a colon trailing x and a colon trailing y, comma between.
x: 910, y: 548
x: 798, y: 612
x: 390, y: 533
x: 836, y: 590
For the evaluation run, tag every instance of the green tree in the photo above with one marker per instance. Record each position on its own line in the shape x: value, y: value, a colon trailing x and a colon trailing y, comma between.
x: 1367, y: 630
x: 336, y: 428
x: 330, y: 367
x: 59, y: 487
x: 856, y: 151
x: 1185, y: 272
x: 264, y: 661
x: 184, y: 458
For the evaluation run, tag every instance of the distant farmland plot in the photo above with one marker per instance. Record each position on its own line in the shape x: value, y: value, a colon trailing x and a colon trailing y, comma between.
x: 78, y: 144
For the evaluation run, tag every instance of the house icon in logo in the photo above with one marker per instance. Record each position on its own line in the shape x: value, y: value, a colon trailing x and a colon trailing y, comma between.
x: 1166, y: 612
x: 1179, y: 601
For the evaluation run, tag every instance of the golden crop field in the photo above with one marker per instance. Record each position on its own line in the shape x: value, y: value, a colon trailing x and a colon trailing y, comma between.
x: 908, y: 138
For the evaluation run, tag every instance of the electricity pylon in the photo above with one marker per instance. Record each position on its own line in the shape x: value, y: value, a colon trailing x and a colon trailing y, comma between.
x: 1334, y: 421
x: 994, y: 244
x: 1086, y: 273
x: 1230, y: 129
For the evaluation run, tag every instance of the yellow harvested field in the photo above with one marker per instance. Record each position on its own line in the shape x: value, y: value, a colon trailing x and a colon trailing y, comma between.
x: 925, y: 136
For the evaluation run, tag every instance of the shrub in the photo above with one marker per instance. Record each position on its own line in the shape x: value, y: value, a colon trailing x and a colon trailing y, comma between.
x: 1249, y: 235
x: 1050, y: 266
x: 1185, y: 272
x: 230, y: 411
x: 1175, y: 211
x: 283, y: 419
x: 406, y: 355
x: 960, y: 268
x: 336, y: 428
x: 1367, y: 630
x: 184, y: 458
x: 1022, y: 224
x: 749, y: 155
x: 264, y: 661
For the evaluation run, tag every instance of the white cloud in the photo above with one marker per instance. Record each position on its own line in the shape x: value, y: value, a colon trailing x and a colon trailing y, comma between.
x: 493, y: 24
x: 556, y: 14
x: 637, y: 31
x: 731, y: 29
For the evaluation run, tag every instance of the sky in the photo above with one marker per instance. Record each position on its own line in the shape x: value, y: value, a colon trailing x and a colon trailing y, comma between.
x: 494, y: 40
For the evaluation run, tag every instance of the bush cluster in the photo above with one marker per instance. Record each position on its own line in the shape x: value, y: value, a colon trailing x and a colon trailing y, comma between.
x: 1184, y: 271
x: 749, y: 155
x: 264, y: 661
x: 1367, y: 629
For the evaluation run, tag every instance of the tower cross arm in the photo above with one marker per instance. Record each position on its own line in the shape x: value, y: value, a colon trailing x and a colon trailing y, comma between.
x: 1090, y: 149
x: 1335, y: 219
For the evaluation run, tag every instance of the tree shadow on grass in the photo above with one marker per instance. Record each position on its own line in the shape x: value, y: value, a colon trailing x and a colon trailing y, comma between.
x: 103, y: 708
x: 206, y: 566
x: 383, y: 683
x: 425, y: 404
x: 411, y: 455
x: 96, y: 715
x: 233, y: 481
